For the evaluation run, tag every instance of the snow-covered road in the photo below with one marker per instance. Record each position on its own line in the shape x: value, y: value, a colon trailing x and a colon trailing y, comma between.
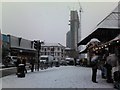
x: 56, y: 77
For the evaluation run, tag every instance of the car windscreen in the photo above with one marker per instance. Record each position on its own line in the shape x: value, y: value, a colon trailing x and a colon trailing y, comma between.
x: 14, y: 57
x: 44, y: 58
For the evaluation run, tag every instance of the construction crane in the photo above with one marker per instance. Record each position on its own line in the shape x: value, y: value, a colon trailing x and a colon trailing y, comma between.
x: 79, y: 31
x: 80, y: 15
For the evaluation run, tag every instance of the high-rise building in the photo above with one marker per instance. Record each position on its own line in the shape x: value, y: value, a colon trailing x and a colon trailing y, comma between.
x: 68, y: 39
x: 72, y: 35
x: 0, y: 47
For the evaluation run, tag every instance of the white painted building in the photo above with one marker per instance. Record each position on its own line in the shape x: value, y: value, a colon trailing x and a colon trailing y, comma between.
x: 54, y: 49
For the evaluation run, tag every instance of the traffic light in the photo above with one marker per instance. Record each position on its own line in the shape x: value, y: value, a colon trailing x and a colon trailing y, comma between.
x: 39, y: 45
x: 36, y: 45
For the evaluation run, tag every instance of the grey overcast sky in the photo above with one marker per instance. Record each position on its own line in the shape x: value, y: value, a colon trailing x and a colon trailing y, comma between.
x: 49, y: 20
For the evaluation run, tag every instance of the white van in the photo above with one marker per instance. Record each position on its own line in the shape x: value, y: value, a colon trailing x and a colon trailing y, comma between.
x: 46, y: 58
x: 46, y: 61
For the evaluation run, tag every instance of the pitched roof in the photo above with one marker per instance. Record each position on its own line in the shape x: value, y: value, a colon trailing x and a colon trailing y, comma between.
x: 111, y: 21
x: 110, y: 24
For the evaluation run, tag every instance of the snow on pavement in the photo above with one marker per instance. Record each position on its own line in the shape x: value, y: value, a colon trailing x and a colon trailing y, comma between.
x: 56, y: 77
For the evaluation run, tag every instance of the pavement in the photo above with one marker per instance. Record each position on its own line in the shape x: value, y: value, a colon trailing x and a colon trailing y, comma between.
x: 56, y: 77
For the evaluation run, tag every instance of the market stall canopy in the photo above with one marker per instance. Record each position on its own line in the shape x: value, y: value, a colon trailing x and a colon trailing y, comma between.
x: 102, y: 34
x: 84, y: 51
x: 91, y: 44
x: 107, y: 29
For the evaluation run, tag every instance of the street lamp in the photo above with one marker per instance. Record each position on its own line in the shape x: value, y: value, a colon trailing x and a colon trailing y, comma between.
x: 105, y: 45
x: 117, y: 41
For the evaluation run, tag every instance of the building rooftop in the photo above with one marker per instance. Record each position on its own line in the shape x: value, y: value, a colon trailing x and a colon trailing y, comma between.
x: 52, y: 44
x: 110, y: 24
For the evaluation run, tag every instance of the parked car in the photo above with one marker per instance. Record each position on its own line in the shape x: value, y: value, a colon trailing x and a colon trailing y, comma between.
x: 57, y: 64
x: 70, y: 61
x: 10, y: 61
x: 63, y: 62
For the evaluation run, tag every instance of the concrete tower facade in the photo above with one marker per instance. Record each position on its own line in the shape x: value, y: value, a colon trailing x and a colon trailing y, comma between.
x: 74, y: 27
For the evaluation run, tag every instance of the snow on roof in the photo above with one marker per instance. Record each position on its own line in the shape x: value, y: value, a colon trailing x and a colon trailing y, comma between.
x: 111, y: 21
x: 69, y: 58
x: 67, y: 48
x: 52, y: 44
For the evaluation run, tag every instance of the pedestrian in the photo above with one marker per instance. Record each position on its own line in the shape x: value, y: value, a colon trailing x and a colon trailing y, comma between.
x: 94, y: 63
x: 42, y: 65
x: 110, y: 63
x: 80, y: 62
x: 7, y: 61
x: 46, y: 65
x: 103, y: 62
x: 75, y: 60
x: 24, y: 62
x: 103, y: 69
x: 32, y: 62
x: 51, y: 64
x: 17, y: 64
x: 36, y: 64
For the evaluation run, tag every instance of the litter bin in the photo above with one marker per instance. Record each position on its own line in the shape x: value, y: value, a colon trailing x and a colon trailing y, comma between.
x: 20, y: 70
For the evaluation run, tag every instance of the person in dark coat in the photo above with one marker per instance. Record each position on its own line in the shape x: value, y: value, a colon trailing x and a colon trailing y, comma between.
x: 32, y: 62
x: 105, y: 54
x: 24, y: 62
x: 94, y: 62
x: 75, y: 61
x: 111, y: 62
x: 17, y: 63
x: 36, y: 64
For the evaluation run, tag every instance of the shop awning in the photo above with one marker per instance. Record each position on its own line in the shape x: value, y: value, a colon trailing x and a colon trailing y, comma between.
x: 23, y: 50
x: 102, y: 34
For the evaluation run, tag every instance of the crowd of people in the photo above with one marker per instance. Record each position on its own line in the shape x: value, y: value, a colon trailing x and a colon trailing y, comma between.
x: 109, y: 64
x: 32, y: 64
